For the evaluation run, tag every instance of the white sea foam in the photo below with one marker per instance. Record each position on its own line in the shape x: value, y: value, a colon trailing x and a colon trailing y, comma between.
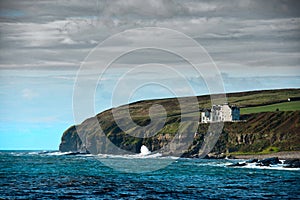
x: 145, y: 153
x: 130, y: 156
x: 57, y: 153
x: 17, y: 153
x: 33, y: 153
x: 274, y: 167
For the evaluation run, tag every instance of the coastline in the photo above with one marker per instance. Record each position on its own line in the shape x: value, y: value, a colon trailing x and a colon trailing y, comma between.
x: 284, y: 155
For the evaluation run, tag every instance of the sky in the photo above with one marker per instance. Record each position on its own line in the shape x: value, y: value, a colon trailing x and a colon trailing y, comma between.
x: 45, y: 45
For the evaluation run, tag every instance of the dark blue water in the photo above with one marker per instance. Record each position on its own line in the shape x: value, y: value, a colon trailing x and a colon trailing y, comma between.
x: 28, y: 175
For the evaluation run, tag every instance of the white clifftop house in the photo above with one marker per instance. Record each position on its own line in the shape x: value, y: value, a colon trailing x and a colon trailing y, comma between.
x: 220, y: 113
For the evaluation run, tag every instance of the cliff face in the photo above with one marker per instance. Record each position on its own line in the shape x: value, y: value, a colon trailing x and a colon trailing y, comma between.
x: 71, y: 141
x: 262, y: 130
x: 256, y: 133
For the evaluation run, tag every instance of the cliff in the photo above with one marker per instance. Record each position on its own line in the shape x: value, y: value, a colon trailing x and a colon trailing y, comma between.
x: 257, y: 132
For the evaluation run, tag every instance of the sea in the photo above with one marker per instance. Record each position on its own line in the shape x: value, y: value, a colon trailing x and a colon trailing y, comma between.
x: 55, y: 175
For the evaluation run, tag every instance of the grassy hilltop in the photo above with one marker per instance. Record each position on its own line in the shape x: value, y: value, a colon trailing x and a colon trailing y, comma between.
x: 285, y: 106
x: 270, y: 123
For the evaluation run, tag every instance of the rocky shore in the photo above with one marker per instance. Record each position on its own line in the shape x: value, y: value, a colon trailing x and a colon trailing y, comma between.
x: 268, y: 162
x: 282, y: 159
x: 285, y: 155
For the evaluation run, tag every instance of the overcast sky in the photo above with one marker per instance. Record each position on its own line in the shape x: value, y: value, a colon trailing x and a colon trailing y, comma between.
x: 255, y: 45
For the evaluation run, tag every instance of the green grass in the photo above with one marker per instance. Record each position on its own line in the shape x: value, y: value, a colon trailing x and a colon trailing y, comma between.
x: 239, y: 153
x: 286, y: 106
x: 261, y: 97
x: 268, y: 150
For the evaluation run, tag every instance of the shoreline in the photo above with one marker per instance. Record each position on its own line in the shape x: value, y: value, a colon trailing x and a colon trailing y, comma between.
x: 284, y: 155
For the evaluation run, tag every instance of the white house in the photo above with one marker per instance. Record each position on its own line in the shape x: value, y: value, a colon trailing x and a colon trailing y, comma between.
x: 205, y: 116
x: 220, y: 113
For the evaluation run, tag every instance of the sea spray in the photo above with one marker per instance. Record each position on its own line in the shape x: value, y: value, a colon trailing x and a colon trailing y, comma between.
x: 144, y: 150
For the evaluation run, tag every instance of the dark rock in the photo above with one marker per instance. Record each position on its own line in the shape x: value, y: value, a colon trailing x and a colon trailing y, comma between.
x: 292, y: 163
x: 230, y: 157
x: 221, y: 156
x: 46, y: 152
x: 237, y: 165
x: 215, y: 156
x: 255, y: 160
x: 77, y: 153
x: 269, y: 161
x: 195, y: 156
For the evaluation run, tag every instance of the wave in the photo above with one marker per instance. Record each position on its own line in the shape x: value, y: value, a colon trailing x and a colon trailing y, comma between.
x: 273, y: 167
x: 57, y: 153
x: 232, y: 163
x: 130, y: 156
x: 40, y: 153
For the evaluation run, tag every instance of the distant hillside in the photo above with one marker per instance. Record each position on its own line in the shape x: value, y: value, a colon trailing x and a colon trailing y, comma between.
x: 263, y: 131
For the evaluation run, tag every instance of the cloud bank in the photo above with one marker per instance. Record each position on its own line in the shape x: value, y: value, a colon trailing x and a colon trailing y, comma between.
x: 258, y: 36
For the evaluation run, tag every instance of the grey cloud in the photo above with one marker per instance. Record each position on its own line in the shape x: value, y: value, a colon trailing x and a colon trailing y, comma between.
x: 153, y: 9
x: 60, y: 34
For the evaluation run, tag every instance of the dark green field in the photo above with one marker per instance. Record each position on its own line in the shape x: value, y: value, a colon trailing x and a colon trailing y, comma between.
x: 286, y: 106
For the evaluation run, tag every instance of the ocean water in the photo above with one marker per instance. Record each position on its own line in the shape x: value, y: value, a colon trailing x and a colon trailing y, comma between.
x: 52, y: 175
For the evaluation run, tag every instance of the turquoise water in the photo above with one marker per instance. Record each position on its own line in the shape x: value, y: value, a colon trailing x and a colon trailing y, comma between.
x: 31, y: 175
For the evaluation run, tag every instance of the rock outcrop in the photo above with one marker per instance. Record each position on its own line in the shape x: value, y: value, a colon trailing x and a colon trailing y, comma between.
x: 292, y: 163
x: 71, y: 141
x: 269, y: 161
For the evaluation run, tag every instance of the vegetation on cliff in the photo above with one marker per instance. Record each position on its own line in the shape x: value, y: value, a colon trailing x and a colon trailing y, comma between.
x: 275, y: 129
